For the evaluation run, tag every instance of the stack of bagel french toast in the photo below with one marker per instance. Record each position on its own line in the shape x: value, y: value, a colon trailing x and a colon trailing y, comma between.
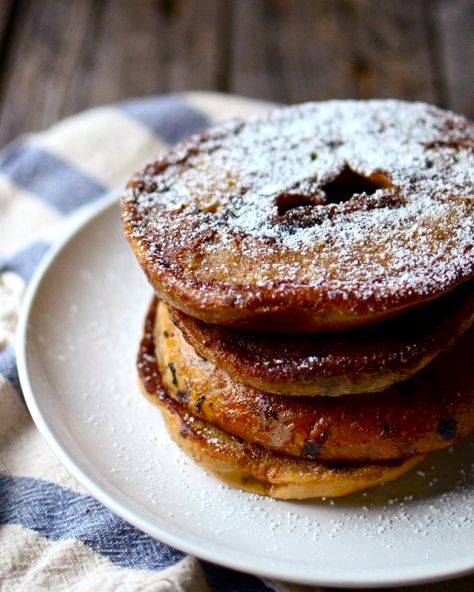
x: 310, y: 333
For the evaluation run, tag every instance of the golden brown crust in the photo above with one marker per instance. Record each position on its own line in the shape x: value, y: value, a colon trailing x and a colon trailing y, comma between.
x: 333, y: 364
x: 431, y: 411
x: 252, y: 467
x: 317, y: 217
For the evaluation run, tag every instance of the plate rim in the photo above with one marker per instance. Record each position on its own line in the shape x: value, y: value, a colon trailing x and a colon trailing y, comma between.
x: 73, y: 227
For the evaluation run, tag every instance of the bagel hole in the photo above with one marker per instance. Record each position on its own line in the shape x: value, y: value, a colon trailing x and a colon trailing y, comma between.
x: 348, y: 183
x: 289, y: 201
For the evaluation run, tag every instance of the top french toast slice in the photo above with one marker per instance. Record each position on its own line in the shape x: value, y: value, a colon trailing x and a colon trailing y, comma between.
x: 318, y: 217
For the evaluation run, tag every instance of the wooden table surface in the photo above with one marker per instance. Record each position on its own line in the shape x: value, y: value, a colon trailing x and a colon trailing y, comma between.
x: 58, y: 57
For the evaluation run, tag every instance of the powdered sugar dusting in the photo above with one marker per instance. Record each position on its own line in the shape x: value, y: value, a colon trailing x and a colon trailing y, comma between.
x: 210, y: 211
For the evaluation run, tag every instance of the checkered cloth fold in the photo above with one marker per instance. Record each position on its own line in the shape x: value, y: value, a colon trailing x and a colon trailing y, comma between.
x: 53, y: 535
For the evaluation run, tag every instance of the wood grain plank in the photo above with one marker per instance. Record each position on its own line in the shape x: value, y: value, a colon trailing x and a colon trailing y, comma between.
x: 48, y: 38
x: 291, y: 51
x: 296, y: 50
x: 455, y: 28
x: 8, y: 11
x: 69, y: 56
x: 316, y: 51
x: 122, y: 55
x: 145, y: 47
x: 196, y: 45
x: 6, y: 8
x: 391, y: 51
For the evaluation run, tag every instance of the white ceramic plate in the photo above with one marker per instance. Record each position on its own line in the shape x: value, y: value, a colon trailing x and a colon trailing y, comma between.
x: 78, y: 338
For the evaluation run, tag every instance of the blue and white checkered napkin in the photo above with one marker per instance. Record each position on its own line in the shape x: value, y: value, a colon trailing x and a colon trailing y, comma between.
x: 53, y: 535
